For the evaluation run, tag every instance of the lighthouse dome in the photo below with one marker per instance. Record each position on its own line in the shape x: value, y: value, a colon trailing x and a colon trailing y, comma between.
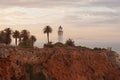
x: 60, y: 28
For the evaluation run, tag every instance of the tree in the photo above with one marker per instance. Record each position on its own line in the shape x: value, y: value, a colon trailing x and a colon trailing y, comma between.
x: 8, y: 33
x: 47, y: 30
x: 20, y: 38
x: 2, y: 37
x: 24, y: 38
x: 32, y: 39
x: 70, y: 42
x: 25, y: 35
x: 16, y: 35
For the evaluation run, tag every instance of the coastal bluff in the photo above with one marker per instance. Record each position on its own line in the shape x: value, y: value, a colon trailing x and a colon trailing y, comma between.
x: 67, y: 63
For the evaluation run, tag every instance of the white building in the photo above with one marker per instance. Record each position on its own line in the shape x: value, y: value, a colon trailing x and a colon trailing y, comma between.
x: 60, y: 34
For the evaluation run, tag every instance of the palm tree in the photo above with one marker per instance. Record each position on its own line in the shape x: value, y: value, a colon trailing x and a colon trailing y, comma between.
x: 20, y: 38
x: 47, y: 30
x: 16, y: 35
x: 25, y: 35
x: 8, y: 33
x: 2, y: 37
x: 32, y: 39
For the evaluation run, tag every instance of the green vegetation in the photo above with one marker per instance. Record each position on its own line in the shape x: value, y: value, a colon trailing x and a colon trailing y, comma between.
x: 47, y: 30
x: 16, y: 35
x: 49, y: 45
x: 83, y: 47
x: 99, y: 49
x: 59, y: 44
x: 25, y: 39
x: 2, y: 37
x: 32, y: 40
x: 5, y: 36
x: 70, y: 42
x: 8, y: 33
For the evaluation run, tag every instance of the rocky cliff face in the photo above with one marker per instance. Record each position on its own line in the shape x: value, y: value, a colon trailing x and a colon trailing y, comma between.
x: 57, y: 64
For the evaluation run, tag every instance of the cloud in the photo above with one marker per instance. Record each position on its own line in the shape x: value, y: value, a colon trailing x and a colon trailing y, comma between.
x: 106, y: 3
x: 20, y: 16
x: 58, y: 3
x: 89, y: 19
x: 38, y: 3
x: 75, y: 12
x: 92, y: 15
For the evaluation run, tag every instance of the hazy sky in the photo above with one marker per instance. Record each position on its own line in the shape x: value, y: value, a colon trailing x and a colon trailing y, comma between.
x: 88, y: 22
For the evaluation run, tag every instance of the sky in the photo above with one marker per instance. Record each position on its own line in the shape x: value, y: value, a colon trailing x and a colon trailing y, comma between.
x: 91, y: 23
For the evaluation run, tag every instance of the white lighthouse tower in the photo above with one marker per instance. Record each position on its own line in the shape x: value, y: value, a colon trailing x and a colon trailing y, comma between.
x: 60, y: 34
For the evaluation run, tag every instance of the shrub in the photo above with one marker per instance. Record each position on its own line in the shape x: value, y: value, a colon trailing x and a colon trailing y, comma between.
x: 59, y: 44
x: 70, y: 42
x: 48, y: 45
x: 25, y: 44
x: 99, y: 49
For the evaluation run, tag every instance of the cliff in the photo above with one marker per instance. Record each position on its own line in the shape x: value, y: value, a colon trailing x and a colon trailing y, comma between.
x: 57, y: 64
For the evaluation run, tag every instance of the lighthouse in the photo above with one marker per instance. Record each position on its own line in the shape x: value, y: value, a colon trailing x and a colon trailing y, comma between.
x: 60, y: 34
